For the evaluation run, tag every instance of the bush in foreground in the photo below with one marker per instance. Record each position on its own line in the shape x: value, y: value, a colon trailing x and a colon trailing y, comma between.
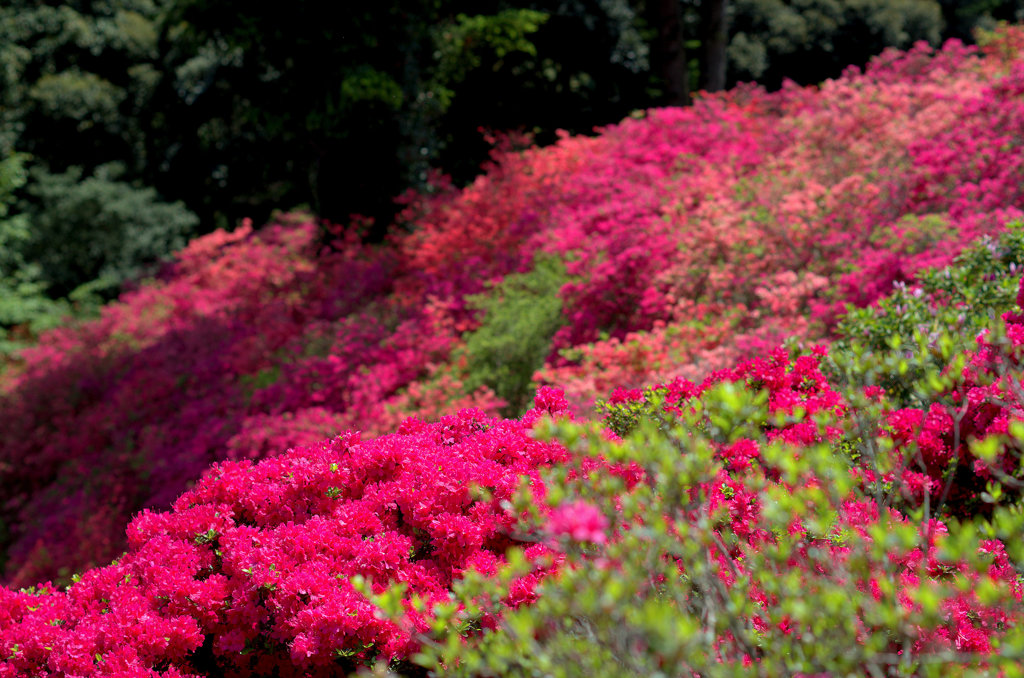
x: 250, y: 573
x: 911, y: 336
x: 732, y: 532
x: 737, y: 556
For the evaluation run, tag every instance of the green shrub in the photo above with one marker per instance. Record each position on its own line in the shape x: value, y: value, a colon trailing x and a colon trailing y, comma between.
x: 907, y: 341
x: 520, y: 316
x: 71, y: 242
x: 23, y: 301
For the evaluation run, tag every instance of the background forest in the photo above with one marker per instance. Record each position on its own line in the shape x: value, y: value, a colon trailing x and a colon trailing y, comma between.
x: 129, y: 126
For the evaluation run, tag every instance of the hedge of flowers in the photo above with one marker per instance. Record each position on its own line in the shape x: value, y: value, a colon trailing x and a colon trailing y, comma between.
x: 689, y: 238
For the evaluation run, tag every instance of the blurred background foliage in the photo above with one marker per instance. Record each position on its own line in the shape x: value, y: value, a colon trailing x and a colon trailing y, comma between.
x: 128, y: 126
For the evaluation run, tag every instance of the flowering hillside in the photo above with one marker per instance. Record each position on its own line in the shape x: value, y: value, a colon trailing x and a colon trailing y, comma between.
x: 740, y: 517
x: 679, y: 248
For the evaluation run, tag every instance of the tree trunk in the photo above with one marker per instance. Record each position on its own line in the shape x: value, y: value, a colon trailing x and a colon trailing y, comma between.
x: 715, y: 38
x: 668, y: 51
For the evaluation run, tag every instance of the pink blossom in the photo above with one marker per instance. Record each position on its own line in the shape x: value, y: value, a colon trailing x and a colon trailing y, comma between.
x: 579, y: 521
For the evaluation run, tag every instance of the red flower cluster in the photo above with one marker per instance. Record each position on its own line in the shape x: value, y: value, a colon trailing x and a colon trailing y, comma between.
x: 578, y: 521
x: 933, y: 446
x: 250, y: 573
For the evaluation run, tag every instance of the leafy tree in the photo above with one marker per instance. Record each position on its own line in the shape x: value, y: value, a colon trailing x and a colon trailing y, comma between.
x: 588, y: 67
x: 75, y: 80
x: 269, y: 108
x: 98, y: 230
x: 964, y: 17
x: 811, y: 40
x: 344, y: 112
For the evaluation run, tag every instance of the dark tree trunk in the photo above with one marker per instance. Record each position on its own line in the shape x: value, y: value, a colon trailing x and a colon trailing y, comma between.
x: 668, y: 51
x: 715, y: 30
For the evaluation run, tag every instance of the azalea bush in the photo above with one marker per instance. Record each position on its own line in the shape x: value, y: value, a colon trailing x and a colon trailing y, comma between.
x: 734, y: 554
x: 761, y: 522
x: 909, y: 337
x: 250, y: 572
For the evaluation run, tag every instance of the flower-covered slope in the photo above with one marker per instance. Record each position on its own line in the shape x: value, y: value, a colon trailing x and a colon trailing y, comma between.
x: 276, y: 567
x: 690, y: 238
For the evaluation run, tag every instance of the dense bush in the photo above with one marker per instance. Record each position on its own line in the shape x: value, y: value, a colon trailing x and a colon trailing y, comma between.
x: 737, y: 527
x: 908, y: 338
x: 250, y: 573
x: 521, y: 314
x: 736, y: 555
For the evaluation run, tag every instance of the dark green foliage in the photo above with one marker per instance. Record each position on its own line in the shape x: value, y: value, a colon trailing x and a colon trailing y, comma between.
x: 964, y: 17
x: 75, y: 78
x: 12, y: 177
x: 72, y: 241
x: 281, y: 108
x: 23, y: 302
x: 586, y: 66
x: 343, y: 106
x: 906, y: 342
x: 98, y: 230
x: 473, y: 47
x: 811, y: 40
x: 520, y: 316
x: 460, y: 42
x: 621, y: 418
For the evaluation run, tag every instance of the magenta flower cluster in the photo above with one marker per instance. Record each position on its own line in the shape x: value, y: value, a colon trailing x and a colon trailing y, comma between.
x: 249, y: 573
